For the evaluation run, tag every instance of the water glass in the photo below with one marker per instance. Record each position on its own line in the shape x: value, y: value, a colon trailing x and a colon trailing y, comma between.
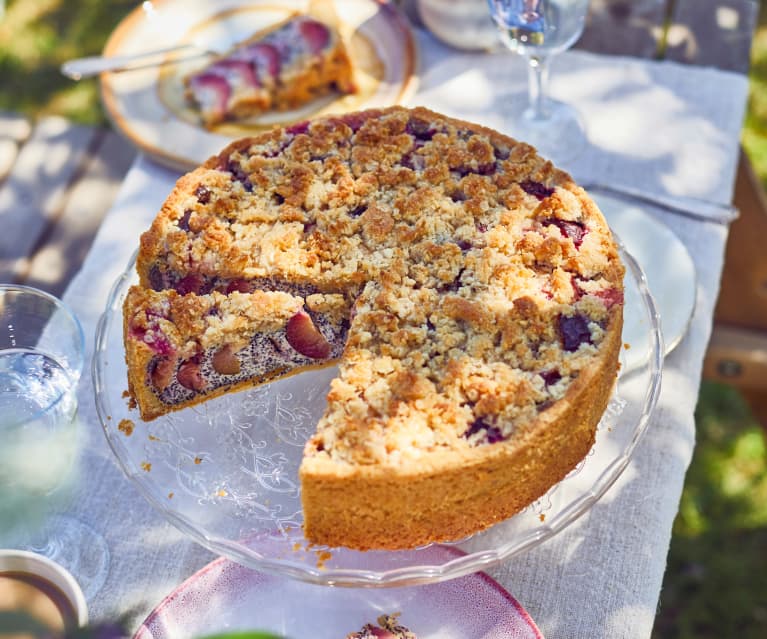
x: 41, y: 359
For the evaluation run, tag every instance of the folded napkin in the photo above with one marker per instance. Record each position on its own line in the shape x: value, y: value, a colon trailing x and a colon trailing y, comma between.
x: 658, y: 128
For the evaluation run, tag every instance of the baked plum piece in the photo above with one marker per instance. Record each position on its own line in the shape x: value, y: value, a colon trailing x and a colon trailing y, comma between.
x: 183, y: 349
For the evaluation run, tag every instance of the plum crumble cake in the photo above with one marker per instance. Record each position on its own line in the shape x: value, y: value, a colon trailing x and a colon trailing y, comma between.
x: 388, y: 628
x: 283, y: 68
x: 470, y: 293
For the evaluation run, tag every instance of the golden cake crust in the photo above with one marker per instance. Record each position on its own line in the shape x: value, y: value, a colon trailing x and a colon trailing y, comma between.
x: 487, y: 310
x: 457, y: 493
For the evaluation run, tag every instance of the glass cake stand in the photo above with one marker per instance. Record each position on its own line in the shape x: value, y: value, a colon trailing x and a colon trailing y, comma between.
x: 226, y: 472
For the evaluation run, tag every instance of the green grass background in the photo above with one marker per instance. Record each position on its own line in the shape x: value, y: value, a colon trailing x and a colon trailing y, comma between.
x: 716, y: 580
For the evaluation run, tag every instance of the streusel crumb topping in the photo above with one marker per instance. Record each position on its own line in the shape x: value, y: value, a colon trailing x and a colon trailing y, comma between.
x: 483, y: 279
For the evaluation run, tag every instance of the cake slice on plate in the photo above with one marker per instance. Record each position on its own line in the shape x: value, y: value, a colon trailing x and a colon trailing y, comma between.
x: 285, y: 67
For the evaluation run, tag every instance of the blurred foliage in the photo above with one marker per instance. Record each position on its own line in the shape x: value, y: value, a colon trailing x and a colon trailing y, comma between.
x: 36, y: 37
x: 755, y: 127
x: 716, y: 580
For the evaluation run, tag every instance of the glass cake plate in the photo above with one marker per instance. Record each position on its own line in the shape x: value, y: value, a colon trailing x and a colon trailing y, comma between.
x: 226, y: 472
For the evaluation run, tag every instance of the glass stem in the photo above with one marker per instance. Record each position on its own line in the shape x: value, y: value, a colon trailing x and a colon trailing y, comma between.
x: 538, y: 87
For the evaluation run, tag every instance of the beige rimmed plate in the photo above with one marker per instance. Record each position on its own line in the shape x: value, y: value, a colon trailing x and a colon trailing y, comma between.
x: 667, y: 265
x: 147, y: 105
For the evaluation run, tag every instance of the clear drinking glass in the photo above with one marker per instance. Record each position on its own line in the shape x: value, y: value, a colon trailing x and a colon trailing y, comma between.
x: 538, y: 30
x: 41, y: 360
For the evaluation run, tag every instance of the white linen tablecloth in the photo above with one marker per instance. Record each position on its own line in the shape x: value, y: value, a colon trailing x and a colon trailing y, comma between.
x: 657, y: 126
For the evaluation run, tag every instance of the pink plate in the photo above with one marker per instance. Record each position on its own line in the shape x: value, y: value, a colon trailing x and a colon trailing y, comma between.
x: 226, y: 596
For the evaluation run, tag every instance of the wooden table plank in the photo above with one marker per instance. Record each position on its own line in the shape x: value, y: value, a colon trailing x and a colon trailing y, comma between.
x: 64, y: 249
x: 715, y: 33
x: 743, y: 296
x: 33, y: 194
x: 15, y: 127
x: 625, y: 27
x: 14, y: 131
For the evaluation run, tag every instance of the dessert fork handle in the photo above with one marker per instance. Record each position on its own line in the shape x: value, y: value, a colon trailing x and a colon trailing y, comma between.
x: 691, y: 207
x: 86, y: 67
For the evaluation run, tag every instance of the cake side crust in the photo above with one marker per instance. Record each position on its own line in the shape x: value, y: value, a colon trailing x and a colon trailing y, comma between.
x: 453, y: 496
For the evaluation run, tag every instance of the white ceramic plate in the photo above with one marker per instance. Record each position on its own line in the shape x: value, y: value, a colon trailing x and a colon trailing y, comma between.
x: 225, y: 596
x: 667, y: 265
x: 147, y: 105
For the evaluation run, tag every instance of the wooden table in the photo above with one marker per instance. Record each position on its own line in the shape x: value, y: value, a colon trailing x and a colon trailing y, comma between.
x: 57, y: 180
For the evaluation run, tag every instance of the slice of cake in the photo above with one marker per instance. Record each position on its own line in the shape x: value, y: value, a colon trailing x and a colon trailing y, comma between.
x: 183, y: 349
x: 295, y: 62
x: 478, y: 325
x: 388, y: 628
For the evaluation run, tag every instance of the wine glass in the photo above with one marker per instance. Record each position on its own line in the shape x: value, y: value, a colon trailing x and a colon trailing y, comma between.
x: 538, y: 30
x: 41, y: 360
